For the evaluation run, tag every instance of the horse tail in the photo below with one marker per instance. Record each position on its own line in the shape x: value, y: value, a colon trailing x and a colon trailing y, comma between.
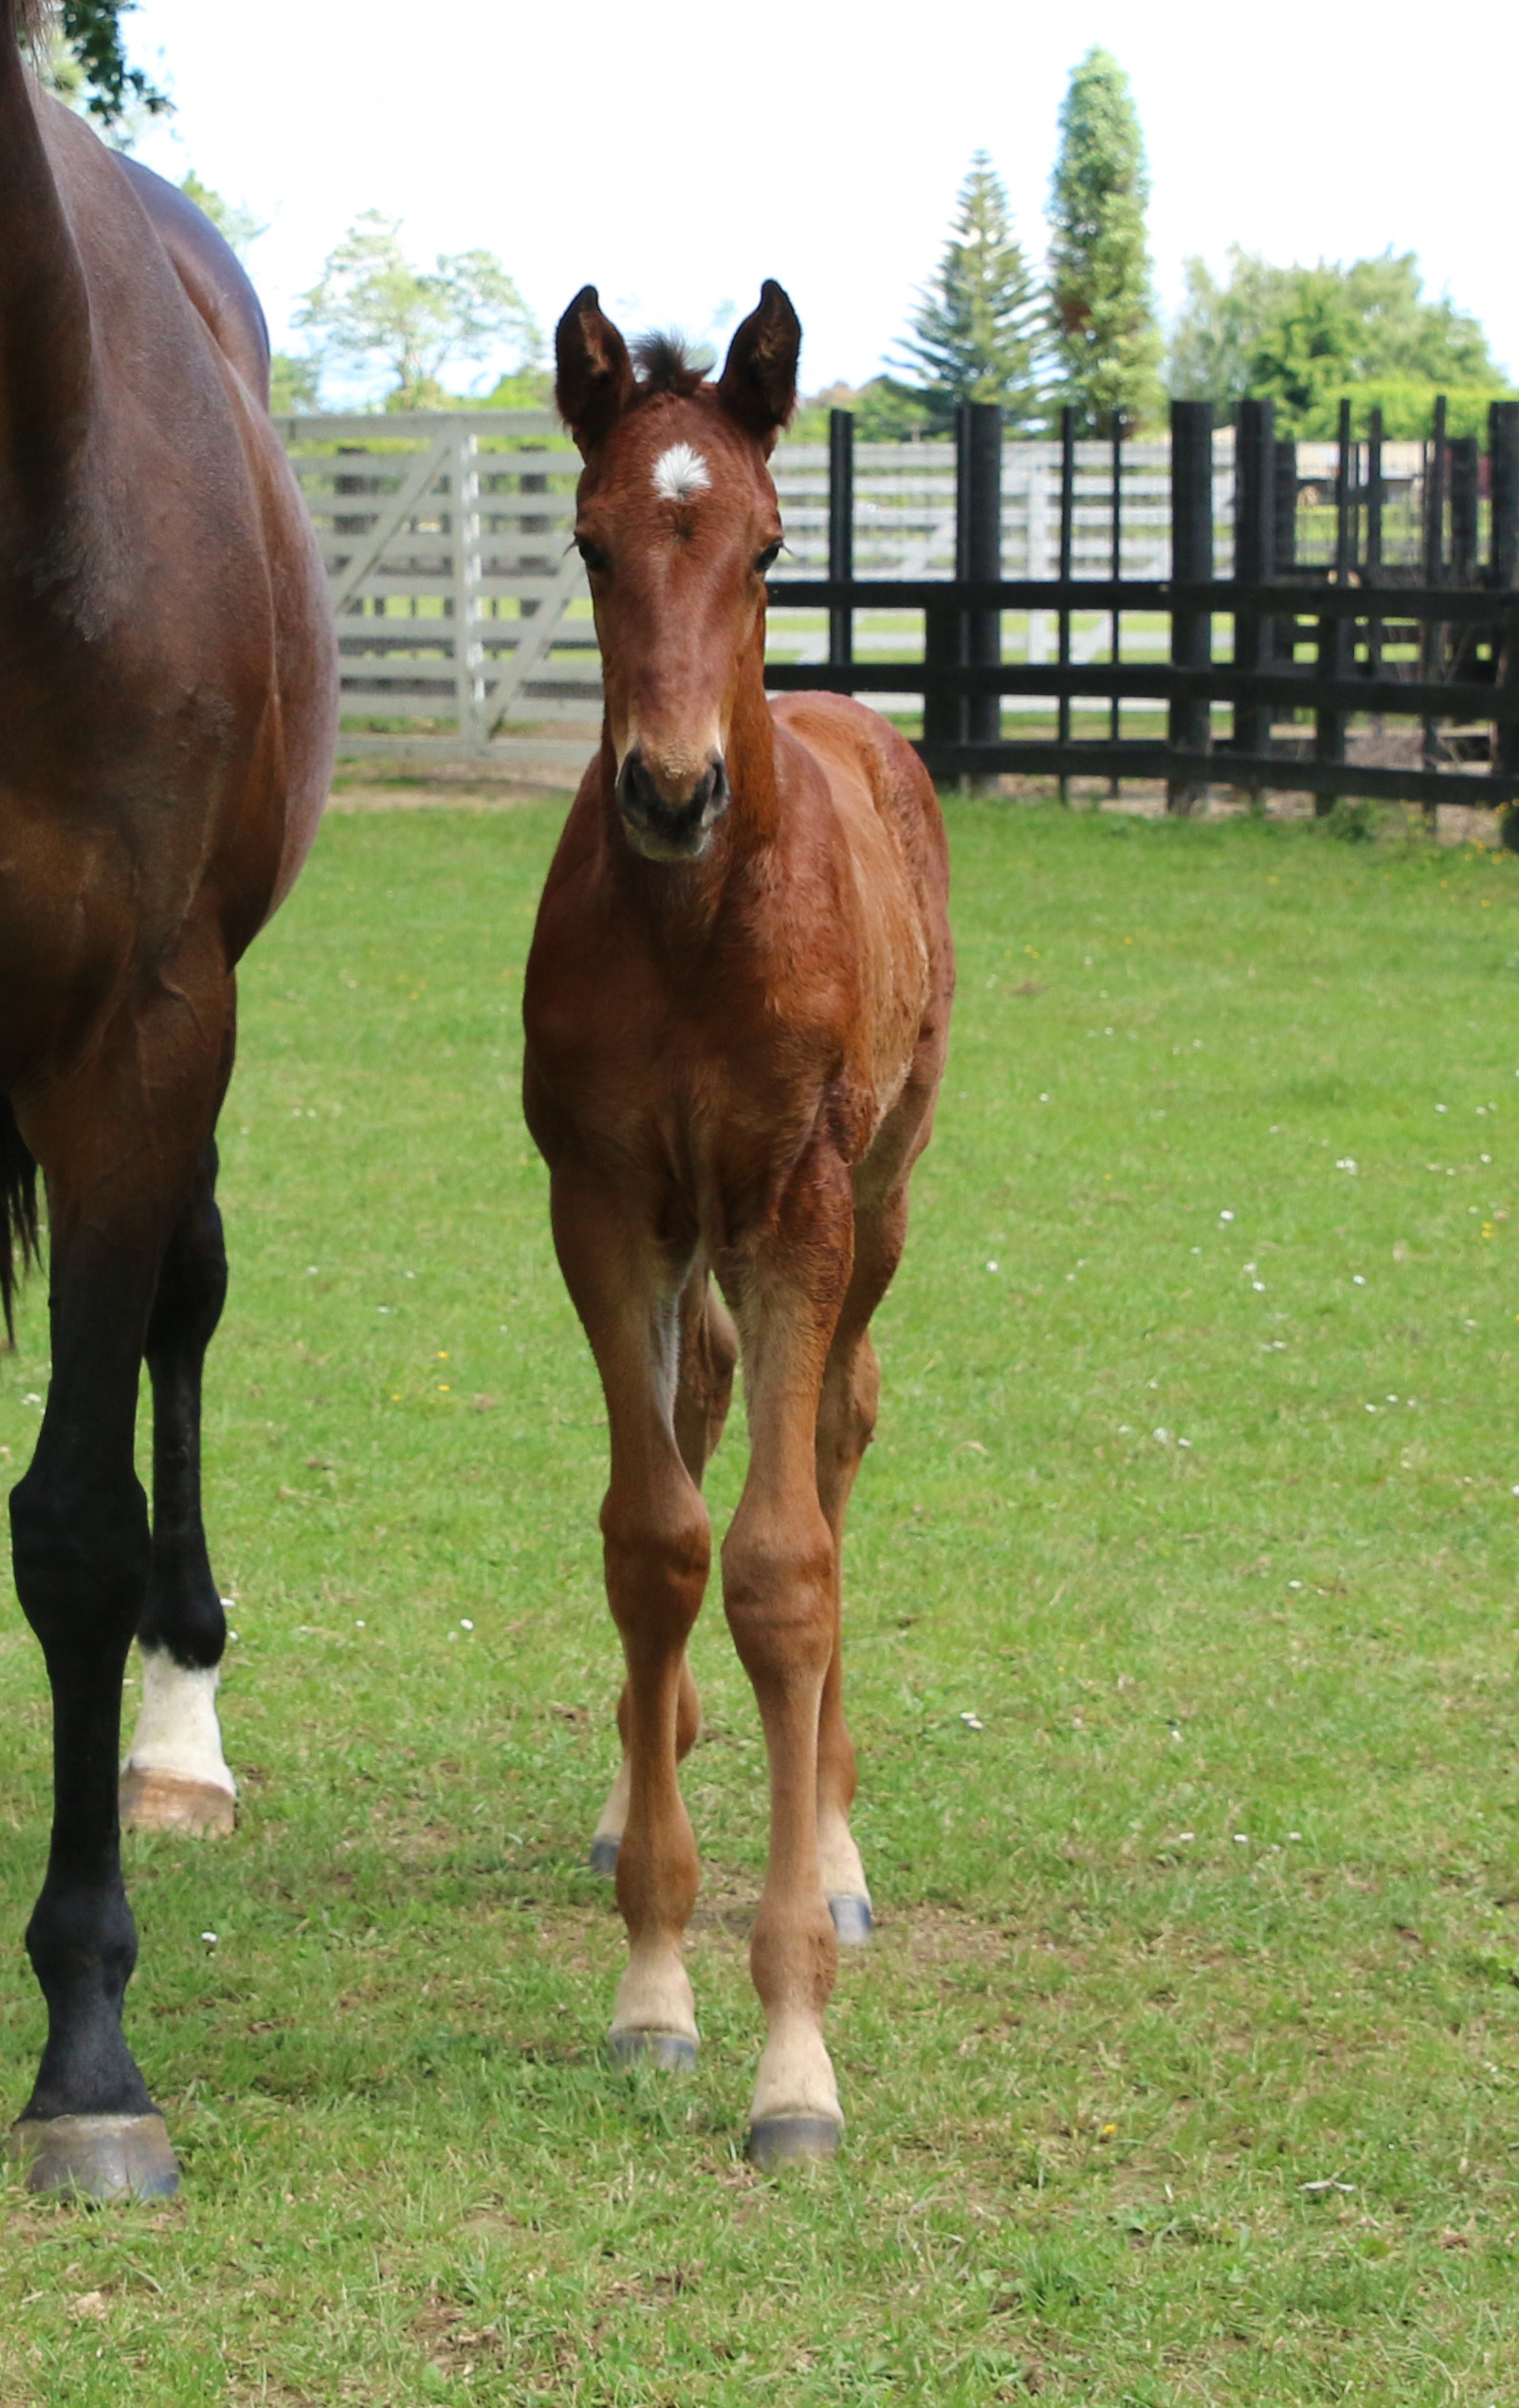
x: 18, y: 1211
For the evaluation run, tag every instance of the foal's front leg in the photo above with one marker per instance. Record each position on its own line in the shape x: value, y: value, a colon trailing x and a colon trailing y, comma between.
x: 657, y: 1542
x: 781, y: 1577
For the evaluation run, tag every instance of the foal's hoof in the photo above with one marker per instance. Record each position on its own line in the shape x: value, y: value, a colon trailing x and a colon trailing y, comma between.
x: 603, y: 1857
x: 671, y: 2051
x: 97, y: 2156
x: 176, y: 1802
x: 852, y: 1920
x: 790, y: 2140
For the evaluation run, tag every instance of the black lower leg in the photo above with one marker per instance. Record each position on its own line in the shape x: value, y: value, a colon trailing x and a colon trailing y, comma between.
x: 182, y: 1613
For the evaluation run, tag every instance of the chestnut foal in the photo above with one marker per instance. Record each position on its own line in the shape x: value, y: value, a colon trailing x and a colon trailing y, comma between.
x: 168, y: 701
x: 736, y: 1008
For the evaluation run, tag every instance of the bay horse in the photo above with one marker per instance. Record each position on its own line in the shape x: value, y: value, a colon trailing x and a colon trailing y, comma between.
x: 737, y: 1010
x: 168, y: 705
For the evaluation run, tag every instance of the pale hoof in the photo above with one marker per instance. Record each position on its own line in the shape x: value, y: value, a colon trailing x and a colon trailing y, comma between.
x: 790, y: 2140
x: 671, y: 2051
x: 603, y: 1857
x: 852, y: 1920
x: 176, y: 1802
x: 97, y: 2156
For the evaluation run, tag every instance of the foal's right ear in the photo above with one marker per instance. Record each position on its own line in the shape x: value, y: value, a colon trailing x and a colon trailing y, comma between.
x: 595, y: 380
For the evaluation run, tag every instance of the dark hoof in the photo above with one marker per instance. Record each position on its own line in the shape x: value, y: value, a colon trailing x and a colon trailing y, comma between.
x: 852, y: 1920
x: 603, y: 1858
x: 790, y: 2140
x: 670, y: 2050
x: 97, y: 2156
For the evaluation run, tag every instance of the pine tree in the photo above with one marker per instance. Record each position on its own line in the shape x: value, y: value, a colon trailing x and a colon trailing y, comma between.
x: 980, y: 330
x: 1108, y: 344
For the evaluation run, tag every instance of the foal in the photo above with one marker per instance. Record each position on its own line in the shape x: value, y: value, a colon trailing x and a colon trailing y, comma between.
x: 167, y: 698
x: 736, y: 1009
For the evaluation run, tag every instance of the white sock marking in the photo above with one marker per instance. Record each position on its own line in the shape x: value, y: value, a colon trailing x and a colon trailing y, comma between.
x: 680, y: 473
x: 177, y: 1729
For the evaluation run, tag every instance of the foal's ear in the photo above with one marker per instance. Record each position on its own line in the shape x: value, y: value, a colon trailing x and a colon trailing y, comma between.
x: 758, y: 381
x: 595, y: 380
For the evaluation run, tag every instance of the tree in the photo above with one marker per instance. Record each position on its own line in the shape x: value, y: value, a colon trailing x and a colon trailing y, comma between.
x: 1305, y: 335
x: 82, y: 55
x: 980, y: 328
x: 1108, y: 344
x: 373, y: 311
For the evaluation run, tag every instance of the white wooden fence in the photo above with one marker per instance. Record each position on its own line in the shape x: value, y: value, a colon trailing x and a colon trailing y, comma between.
x: 464, y: 622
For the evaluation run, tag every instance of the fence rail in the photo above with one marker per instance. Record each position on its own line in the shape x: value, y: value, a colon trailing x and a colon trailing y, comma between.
x: 977, y: 587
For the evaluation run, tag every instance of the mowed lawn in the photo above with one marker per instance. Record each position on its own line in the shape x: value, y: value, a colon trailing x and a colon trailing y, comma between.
x: 1180, y: 1599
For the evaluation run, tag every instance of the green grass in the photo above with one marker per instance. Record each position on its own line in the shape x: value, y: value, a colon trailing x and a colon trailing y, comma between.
x: 1185, y: 2068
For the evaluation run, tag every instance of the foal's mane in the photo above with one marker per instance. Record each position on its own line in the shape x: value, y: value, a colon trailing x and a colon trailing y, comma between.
x: 32, y: 19
x: 663, y: 363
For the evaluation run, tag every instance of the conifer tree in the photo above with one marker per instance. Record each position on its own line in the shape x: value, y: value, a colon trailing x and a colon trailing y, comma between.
x: 1108, y: 344
x: 978, y: 332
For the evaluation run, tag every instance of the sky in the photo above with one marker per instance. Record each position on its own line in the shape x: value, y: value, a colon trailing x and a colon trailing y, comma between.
x: 675, y: 155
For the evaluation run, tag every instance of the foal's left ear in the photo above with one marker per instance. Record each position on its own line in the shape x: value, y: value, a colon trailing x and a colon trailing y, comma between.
x: 758, y: 381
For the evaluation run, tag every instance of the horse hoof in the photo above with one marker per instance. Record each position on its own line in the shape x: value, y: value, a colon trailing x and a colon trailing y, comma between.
x: 603, y: 1857
x: 97, y: 2156
x: 671, y: 2051
x: 174, y: 1802
x: 790, y: 2140
x: 852, y: 1920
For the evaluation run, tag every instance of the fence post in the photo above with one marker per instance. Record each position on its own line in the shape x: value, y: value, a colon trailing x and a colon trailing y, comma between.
x: 1188, y: 720
x: 1502, y: 472
x: 943, y: 626
x: 1336, y: 635
x: 1067, y: 522
x: 1115, y: 570
x: 469, y: 648
x: 1255, y: 560
x: 1431, y: 637
x: 840, y: 530
x: 1373, y: 569
x: 1466, y: 474
x: 980, y: 558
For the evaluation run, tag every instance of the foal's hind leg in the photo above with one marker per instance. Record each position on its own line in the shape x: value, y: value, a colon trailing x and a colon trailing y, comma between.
x: 710, y: 1351
x: 176, y: 1776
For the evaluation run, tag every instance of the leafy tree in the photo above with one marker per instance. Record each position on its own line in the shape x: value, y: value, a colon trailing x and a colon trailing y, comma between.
x: 1108, y: 344
x: 373, y: 311
x: 1303, y: 335
x: 294, y: 385
x: 979, y: 331
x: 83, y: 56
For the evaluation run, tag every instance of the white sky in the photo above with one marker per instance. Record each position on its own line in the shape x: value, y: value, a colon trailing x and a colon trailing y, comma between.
x: 675, y: 154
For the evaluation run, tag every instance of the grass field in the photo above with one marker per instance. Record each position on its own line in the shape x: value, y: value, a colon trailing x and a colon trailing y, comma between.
x: 1181, y: 1598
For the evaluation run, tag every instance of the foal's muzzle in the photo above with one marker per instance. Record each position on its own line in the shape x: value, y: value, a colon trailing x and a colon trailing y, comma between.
x: 664, y: 831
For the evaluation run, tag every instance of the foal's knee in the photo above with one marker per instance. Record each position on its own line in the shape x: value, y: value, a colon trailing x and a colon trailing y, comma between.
x: 778, y: 1576
x: 658, y: 1553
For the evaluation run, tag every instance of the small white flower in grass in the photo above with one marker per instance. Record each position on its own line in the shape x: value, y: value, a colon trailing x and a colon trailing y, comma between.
x: 465, y: 1623
x: 361, y: 1625
x: 1392, y: 1400
x: 1348, y: 1162
x: 1294, y: 1583
x: 1442, y: 1108
x: 994, y: 1266
x: 1226, y: 1216
x: 234, y: 1636
x: 1371, y: 1409
x: 973, y: 1722
x: 1162, y: 1436
x: 311, y: 1271
x: 1294, y: 1836
x: 1357, y: 1281
x: 1186, y: 1835
x: 1259, y: 1286
x: 1242, y: 1839
x: 1183, y: 1442
x: 210, y: 1937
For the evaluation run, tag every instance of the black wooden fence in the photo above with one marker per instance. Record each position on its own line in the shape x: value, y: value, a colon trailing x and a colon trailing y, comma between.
x: 1323, y: 657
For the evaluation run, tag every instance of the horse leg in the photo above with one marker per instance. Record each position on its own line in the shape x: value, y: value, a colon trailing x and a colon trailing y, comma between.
x: 846, y: 1422
x: 780, y: 1590
x: 710, y: 1351
x: 176, y: 1776
x: 117, y: 1181
x: 657, y: 1542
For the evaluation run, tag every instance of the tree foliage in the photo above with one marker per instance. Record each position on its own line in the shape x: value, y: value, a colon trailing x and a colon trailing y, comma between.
x: 236, y: 224
x: 82, y: 55
x: 1107, y: 340
x: 1303, y: 335
x: 374, y: 313
x: 978, y: 332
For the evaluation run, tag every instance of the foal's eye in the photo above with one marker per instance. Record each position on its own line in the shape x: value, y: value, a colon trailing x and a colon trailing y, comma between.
x: 590, y: 553
x: 768, y: 559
